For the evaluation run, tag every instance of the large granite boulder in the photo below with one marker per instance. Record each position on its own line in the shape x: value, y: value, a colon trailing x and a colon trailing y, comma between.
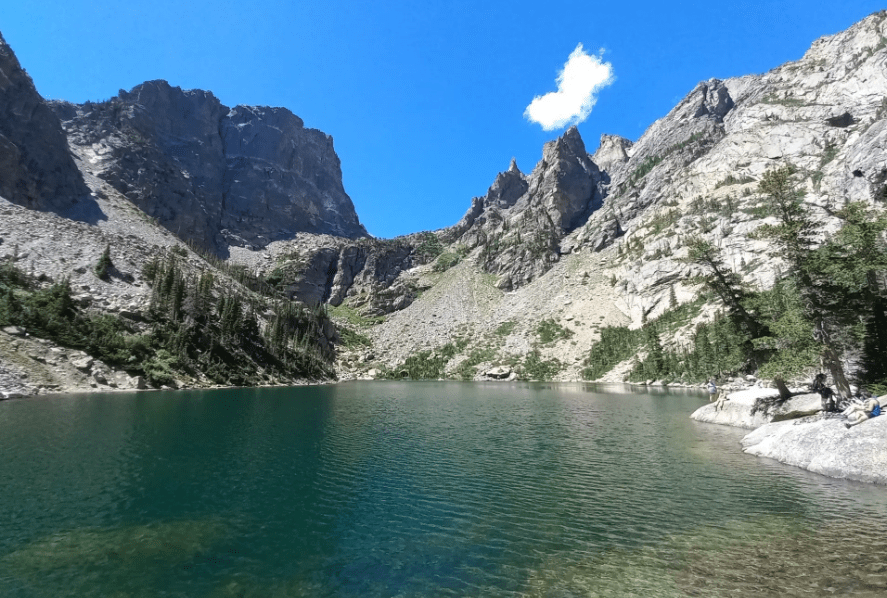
x: 756, y: 407
x: 795, y: 432
x: 826, y: 446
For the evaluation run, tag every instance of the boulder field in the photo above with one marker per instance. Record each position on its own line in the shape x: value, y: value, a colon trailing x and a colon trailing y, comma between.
x: 796, y: 432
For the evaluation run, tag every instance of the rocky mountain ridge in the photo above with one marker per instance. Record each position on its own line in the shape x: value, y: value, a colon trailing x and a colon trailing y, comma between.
x: 69, y: 200
x: 36, y: 169
x: 213, y: 175
x: 538, y: 265
x: 618, y: 220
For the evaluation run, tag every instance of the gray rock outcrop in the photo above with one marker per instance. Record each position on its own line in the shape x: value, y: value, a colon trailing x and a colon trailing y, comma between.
x: 612, y: 152
x: 36, y: 168
x: 826, y: 447
x: 520, y: 222
x: 755, y: 407
x: 796, y: 433
x: 214, y: 175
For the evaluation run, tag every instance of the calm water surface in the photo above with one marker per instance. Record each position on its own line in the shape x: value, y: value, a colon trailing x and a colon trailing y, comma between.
x: 415, y: 489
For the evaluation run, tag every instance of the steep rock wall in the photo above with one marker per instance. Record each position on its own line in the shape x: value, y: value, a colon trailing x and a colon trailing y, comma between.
x: 217, y: 176
x: 36, y: 169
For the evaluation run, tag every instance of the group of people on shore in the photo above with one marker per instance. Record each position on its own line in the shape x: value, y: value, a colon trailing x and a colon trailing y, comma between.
x: 857, y: 412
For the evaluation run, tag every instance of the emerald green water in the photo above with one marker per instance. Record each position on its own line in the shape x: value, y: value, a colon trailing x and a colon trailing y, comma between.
x: 415, y: 489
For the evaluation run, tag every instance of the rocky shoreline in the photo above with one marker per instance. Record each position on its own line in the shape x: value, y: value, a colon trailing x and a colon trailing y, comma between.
x: 796, y: 432
x: 32, y: 366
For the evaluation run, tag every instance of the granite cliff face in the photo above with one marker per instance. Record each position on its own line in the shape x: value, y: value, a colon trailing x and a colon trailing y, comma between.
x: 130, y: 179
x: 213, y: 175
x: 588, y: 240
x: 36, y: 170
x: 582, y: 241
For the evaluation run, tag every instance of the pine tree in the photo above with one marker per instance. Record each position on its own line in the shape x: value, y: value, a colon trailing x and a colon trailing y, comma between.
x: 792, y: 238
x: 104, y: 263
x: 721, y: 280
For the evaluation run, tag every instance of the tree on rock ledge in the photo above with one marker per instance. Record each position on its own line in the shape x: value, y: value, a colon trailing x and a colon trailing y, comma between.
x: 831, y: 298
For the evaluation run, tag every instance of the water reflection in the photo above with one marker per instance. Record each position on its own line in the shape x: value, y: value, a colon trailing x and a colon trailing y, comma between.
x: 416, y: 489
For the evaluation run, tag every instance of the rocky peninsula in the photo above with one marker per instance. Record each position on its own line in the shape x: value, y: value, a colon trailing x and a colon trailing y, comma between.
x: 796, y: 432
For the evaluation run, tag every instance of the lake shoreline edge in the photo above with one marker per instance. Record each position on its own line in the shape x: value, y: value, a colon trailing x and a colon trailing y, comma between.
x: 799, y: 434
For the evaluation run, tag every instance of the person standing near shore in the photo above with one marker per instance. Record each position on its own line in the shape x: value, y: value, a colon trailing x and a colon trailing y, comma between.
x: 826, y: 394
x: 712, y: 390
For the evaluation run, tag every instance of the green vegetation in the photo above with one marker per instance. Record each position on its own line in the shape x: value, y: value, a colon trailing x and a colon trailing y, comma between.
x: 830, y: 301
x: 448, y: 259
x: 716, y: 348
x: 732, y: 180
x: 353, y: 339
x: 467, y: 369
x: 354, y: 317
x: 828, y: 154
x: 651, y: 162
x: 550, y: 331
x: 425, y: 365
x: 618, y: 343
x: 195, y: 328
x: 702, y: 206
x: 644, y: 168
x: 663, y: 220
x: 536, y: 368
x: 50, y: 313
x: 505, y: 328
x: 237, y: 272
x: 429, y: 248
x: 104, y: 264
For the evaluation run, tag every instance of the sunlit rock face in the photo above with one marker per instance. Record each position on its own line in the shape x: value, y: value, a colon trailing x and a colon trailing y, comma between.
x: 214, y: 175
x: 825, y: 446
x: 36, y: 169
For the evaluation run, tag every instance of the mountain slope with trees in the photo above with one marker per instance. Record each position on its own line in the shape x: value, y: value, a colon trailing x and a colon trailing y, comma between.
x: 741, y: 234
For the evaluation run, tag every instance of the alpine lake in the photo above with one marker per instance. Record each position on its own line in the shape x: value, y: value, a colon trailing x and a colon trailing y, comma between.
x: 407, y: 489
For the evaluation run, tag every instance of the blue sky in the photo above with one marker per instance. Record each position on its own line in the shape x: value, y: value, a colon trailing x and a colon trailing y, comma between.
x: 426, y: 101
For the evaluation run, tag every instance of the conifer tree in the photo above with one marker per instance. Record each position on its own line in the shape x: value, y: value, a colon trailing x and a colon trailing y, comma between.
x: 792, y: 239
x: 104, y: 263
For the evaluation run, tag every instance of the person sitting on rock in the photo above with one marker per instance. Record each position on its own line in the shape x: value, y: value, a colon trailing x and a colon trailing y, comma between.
x: 826, y: 394
x: 858, y: 413
x: 721, y: 403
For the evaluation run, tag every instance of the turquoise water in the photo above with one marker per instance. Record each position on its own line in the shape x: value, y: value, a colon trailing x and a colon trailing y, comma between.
x: 415, y: 489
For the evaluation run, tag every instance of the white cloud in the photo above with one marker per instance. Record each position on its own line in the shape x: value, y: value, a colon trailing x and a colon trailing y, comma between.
x: 578, y: 84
